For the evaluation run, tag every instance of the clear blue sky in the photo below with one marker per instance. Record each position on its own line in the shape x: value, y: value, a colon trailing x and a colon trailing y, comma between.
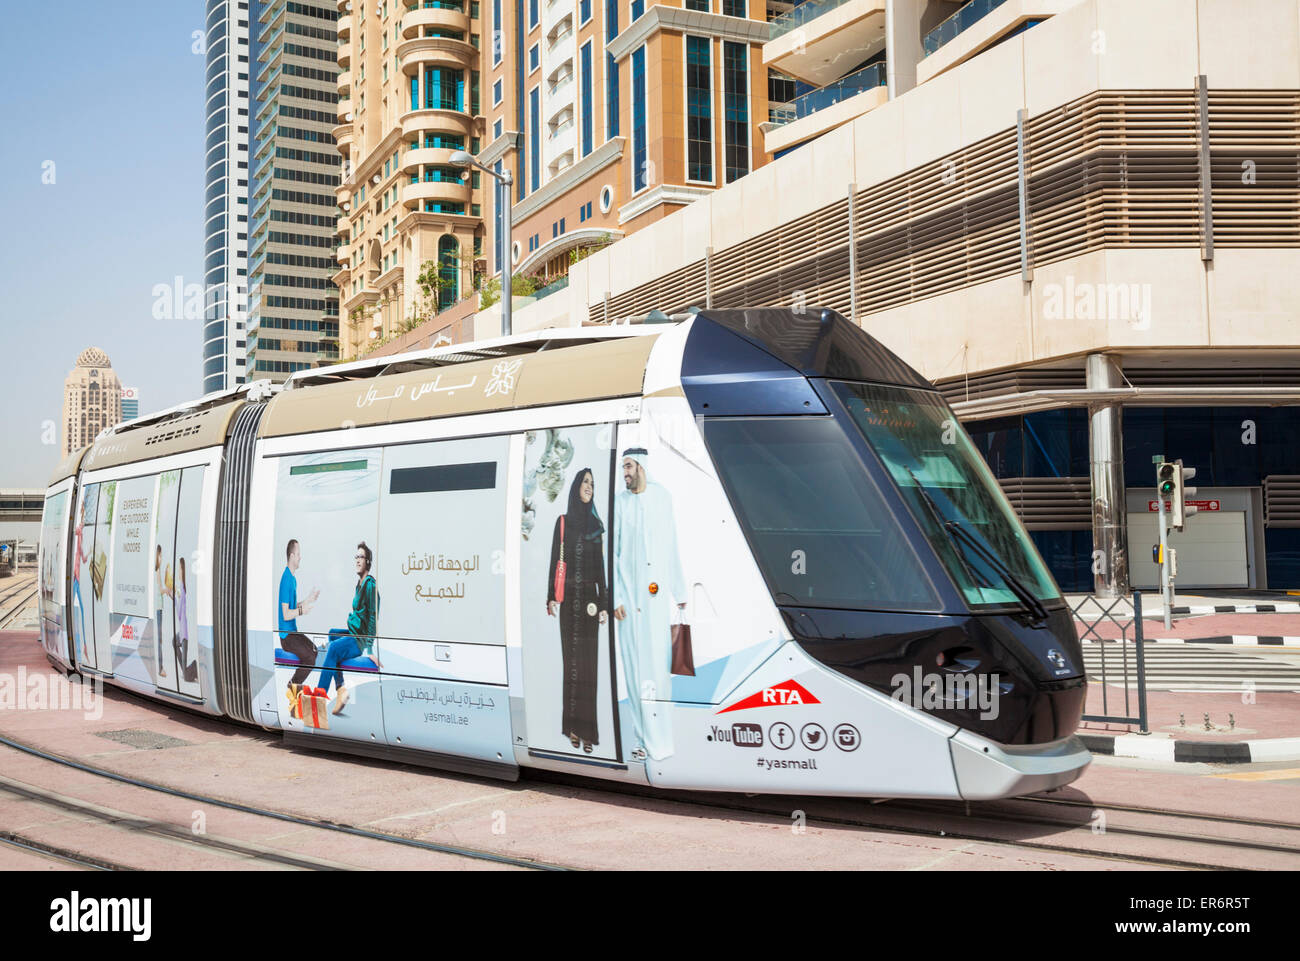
x: 113, y: 94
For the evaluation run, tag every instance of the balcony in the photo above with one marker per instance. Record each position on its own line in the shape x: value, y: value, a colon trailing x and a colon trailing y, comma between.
x: 977, y: 26
x: 344, y: 82
x: 345, y: 110
x: 959, y: 22
x: 437, y: 15
x: 441, y: 191
x: 345, y: 55
x: 342, y: 135
x: 415, y: 122
x: 413, y: 160
x: 344, y: 28
x: 820, y: 39
x: 436, y: 52
x: 819, y: 111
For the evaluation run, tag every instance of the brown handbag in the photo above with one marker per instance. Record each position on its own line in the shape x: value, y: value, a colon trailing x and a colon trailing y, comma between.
x: 683, y: 655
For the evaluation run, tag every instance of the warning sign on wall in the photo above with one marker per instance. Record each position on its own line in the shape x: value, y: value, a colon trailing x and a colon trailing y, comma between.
x: 1154, y: 506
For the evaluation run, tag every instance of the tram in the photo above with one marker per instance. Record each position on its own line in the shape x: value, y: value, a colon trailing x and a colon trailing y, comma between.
x: 749, y: 550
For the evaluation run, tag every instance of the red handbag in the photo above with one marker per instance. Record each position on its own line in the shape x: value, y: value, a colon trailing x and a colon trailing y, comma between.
x: 559, y: 567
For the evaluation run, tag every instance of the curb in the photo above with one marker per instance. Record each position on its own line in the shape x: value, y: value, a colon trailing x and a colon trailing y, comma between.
x: 1238, y: 640
x: 1148, y: 748
x: 1234, y: 609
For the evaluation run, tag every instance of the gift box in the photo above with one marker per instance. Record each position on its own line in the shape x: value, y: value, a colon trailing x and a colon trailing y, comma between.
x: 313, y: 708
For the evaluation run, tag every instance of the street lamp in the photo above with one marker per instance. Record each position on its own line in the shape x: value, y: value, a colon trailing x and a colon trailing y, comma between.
x: 462, y: 158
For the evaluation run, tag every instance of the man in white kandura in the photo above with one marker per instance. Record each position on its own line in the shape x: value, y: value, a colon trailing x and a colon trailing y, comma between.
x: 647, y: 581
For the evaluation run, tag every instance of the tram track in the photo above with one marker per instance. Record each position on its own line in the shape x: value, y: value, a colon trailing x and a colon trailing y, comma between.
x: 27, y: 584
x: 957, y: 820
x: 11, y: 615
x: 52, y: 853
x: 184, y: 835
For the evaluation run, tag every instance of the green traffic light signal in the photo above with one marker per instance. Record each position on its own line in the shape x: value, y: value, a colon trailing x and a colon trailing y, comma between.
x: 1166, y: 478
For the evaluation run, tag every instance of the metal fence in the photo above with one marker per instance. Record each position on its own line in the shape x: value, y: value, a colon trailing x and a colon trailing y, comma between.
x: 1113, y: 656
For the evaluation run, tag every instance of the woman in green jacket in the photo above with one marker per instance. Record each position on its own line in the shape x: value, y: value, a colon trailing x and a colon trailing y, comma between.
x: 358, y: 638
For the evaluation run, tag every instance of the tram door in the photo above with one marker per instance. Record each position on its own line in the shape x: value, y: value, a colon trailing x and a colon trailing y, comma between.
x: 567, y: 639
x: 81, y: 604
x: 92, y: 536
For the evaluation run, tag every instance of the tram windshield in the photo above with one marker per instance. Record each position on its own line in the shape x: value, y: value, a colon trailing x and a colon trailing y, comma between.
x: 952, y: 493
x: 818, y: 526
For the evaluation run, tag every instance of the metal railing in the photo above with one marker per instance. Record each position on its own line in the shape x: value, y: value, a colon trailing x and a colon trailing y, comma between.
x: 551, y: 288
x: 868, y: 78
x: 963, y: 19
x: 1094, y: 612
x: 804, y: 13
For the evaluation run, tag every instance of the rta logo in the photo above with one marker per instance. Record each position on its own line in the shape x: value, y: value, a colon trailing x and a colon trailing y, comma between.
x: 786, y: 694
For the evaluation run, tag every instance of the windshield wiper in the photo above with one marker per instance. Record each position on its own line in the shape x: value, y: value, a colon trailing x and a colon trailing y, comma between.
x: 1023, y: 593
x: 1018, y: 588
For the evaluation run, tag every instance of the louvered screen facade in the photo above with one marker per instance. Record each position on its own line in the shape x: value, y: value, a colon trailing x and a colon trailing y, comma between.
x: 1111, y: 169
x: 1282, y: 500
x: 1051, y: 503
x: 1024, y: 379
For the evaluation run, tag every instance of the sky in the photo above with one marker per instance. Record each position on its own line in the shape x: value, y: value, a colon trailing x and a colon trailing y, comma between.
x: 112, y: 95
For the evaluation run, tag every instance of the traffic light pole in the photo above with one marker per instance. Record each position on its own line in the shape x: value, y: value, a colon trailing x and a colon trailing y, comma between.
x: 1166, y: 582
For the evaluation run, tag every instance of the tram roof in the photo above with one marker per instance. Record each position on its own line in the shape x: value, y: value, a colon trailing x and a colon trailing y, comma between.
x: 497, y: 347
x: 562, y: 366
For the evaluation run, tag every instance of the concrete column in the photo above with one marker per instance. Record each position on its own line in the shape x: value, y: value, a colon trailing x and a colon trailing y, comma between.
x: 1106, y: 461
x: 902, y: 44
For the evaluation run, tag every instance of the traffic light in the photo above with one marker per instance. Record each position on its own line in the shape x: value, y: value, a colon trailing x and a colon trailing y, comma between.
x: 1181, y: 509
x: 1166, y: 480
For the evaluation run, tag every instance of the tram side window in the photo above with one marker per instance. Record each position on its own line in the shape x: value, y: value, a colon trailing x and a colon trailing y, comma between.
x: 819, y: 528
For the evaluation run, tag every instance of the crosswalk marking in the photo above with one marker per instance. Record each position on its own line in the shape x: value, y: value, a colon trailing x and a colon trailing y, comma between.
x: 1182, y: 667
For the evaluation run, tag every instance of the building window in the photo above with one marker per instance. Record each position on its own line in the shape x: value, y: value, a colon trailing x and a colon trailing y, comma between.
x: 535, y: 137
x: 611, y: 96
x: 533, y: 6
x: 534, y: 57
x: 498, y: 35
x: 448, y: 271
x: 584, y: 69
x: 638, y: 7
x: 611, y: 20
x: 496, y: 129
x: 474, y: 93
x: 444, y: 89
x: 734, y: 8
x: 735, y: 88
x: 496, y: 95
x: 699, y: 110
x: 638, y: 120
x: 701, y: 5
x: 584, y: 11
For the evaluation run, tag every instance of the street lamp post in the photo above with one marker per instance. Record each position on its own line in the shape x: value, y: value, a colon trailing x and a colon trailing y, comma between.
x: 462, y: 158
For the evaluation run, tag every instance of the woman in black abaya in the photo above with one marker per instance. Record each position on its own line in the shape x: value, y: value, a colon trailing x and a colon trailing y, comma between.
x: 579, y: 540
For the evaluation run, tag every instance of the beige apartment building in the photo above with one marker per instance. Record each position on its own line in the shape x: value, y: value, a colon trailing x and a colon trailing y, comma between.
x: 609, y: 115
x: 92, y: 399
x: 1080, y: 218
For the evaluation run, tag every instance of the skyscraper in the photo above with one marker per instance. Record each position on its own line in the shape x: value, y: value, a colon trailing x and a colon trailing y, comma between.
x: 225, y: 227
x: 609, y: 114
x: 130, y: 403
x: 92, y: 399
x: 292, y: 303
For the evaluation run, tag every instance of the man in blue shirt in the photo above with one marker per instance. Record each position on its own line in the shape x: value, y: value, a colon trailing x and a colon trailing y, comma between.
x: 289, y: 609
